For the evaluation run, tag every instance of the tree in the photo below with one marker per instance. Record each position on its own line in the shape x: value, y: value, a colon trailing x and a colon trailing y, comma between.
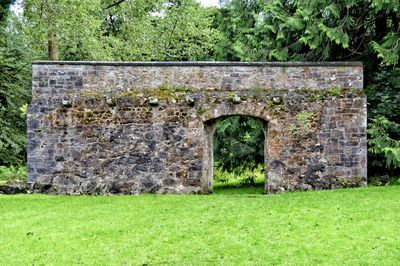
x: 311, y: 30
x: 67, y: 29
x: 384, y: 122
x: 185, y: 32
x: 160, y: 30
x: 14, y: 89
x: 129, y: 30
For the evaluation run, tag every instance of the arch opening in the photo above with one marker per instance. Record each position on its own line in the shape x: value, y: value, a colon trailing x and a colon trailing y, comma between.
x: 237, y: 153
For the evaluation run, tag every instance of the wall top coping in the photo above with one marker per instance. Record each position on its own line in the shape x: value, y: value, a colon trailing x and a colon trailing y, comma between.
x: 204, y: 63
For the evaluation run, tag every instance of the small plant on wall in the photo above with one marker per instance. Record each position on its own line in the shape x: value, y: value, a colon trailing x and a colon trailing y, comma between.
x: 305, y: 119
x: 303, y: 122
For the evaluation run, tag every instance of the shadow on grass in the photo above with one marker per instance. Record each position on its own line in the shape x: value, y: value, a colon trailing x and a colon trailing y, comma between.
x: 235, y: 189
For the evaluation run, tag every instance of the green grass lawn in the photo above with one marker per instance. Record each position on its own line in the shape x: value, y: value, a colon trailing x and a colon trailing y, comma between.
x: 341, y: 227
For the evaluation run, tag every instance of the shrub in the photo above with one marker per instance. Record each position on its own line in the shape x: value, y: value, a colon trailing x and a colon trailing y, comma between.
x: 384, y: 123
x: 13, y: 173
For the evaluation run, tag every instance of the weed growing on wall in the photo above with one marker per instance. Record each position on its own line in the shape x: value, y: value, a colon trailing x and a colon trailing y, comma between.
x: 305, y: 118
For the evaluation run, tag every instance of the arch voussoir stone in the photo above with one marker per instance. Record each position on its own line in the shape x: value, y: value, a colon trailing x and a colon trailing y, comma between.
x: 130, y: 128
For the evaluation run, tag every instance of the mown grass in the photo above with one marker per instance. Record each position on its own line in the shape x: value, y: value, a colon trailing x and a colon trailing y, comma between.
x: 342, y: 227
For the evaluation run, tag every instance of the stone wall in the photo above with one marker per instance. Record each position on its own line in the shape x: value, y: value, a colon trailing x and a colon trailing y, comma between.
x: 102, y: 127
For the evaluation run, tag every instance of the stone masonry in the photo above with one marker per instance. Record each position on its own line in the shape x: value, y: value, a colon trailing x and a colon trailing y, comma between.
x: 108, y: 127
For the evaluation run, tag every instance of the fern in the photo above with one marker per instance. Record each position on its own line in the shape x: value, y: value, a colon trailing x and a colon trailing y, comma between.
x: 389, y: 50
x: 335, y: 34
x: 295, y: 23
x: 380, y: 142
x: 332, y: 11
x: 392, y: 156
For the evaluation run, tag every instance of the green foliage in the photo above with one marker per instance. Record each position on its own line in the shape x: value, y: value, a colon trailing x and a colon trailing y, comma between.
x: 384, y: 122
x: 184, y: 33
x: 389, y: 50
x: 305, y: 118
x: 13, y: 173
x: 380, y: 130
x: 392, y: 155
x: 383, y: 180
x: 336, y: 91
x: 245, y: 177
x: 305, y: 30
x: 4, y: 9
x: 383, y: 94
x: 24, y: 110
x: 14, y: 92
x: 72, y: 27
x: 128, y: 31
x: 238, y: 143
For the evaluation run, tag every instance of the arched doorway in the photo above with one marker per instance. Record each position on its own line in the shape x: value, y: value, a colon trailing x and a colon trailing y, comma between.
x: 236, y: 148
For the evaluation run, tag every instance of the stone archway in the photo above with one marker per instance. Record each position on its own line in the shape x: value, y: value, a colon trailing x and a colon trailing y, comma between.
x: 209, y: 129
x: 132, y: 127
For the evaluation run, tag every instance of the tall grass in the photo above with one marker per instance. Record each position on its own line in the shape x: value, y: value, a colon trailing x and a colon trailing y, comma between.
x: 239, y: 177
x: 13, y: 173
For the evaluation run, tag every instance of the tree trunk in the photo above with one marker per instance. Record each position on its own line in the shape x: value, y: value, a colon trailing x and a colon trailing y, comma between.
x: 52, y: 48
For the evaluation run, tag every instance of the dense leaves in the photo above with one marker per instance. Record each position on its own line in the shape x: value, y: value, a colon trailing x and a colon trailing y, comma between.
x: 384, y: 122
x: 238, y: 143
x: 14, y: 93
x: 120, y: 30
x: 381, y: 142
x: 311, y: 30
x: 64, y: 29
